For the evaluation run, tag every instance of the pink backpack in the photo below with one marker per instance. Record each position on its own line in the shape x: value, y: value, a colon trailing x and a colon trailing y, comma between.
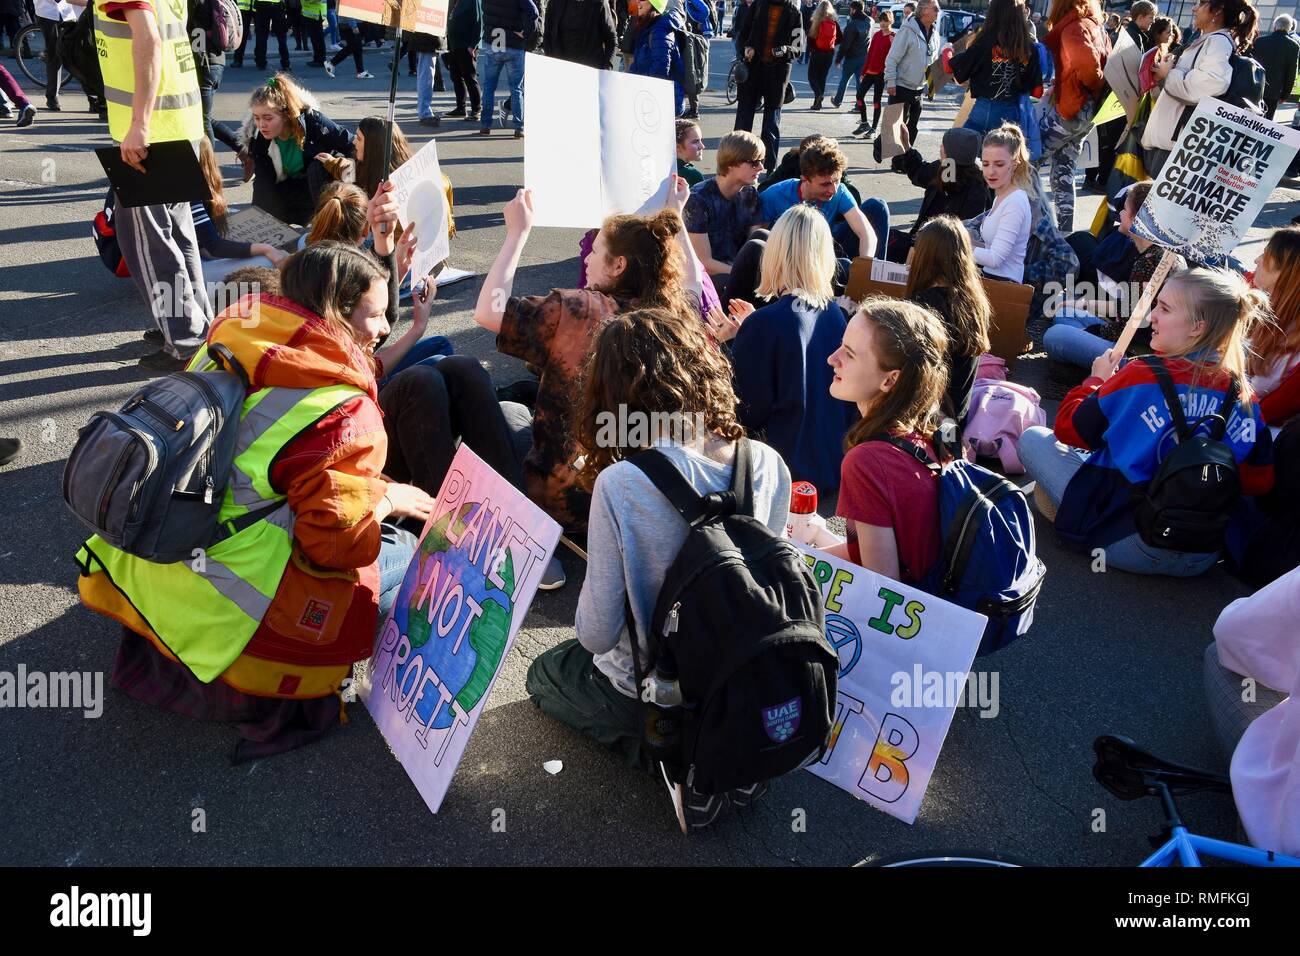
x: 1000, y: 411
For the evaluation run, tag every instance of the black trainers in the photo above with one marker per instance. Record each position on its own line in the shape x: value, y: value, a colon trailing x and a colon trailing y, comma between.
x: 26, y: 115
x: 457, y: 113
x: 695, y: 811
x: 9, y: 449
x: 744, y: 797
x: 153, y: 337
x: 163, y: 363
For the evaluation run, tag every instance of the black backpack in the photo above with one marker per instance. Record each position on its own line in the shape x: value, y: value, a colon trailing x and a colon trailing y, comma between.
x: 1245, y: 88
x: 76, y: 44
x: 1186, y: 504
x: 741, y: 616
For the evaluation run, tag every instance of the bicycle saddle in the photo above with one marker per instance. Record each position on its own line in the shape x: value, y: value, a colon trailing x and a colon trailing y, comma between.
x: 1129, y: 772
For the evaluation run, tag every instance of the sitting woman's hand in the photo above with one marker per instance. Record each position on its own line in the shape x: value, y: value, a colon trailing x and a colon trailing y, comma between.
x: 1104, y: 365
x: 381, y: 211
x: 246, y: 161
x: 406, y: 252
x: 740, y: 309
x: 678, y: 193
x: 408, y: 501
x: 518, y: 213
x: 423, y: 304
x: 723, y: 327
x: 276, y: 256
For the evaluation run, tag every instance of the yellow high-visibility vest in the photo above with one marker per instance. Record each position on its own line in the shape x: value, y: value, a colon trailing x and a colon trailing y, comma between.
x: 206, y: 610
x: 177, y: 110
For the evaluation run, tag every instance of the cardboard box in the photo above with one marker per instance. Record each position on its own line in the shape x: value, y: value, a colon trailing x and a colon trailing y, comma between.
x: 1010, y: 302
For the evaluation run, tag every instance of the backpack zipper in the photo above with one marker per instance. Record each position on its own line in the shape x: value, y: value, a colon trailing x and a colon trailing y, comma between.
x: 157, y: 413
x: 670, y: 625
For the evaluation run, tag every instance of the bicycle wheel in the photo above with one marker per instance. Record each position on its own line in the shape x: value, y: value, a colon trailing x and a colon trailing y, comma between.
x: 731, y: 84
x: 30, y: 46
x: 950, y: 858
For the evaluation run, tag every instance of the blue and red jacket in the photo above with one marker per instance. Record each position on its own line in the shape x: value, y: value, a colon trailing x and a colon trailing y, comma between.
x: 1125, y: 423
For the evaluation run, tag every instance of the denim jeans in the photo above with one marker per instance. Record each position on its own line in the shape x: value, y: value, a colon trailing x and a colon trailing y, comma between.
x: 877, y: 213
x: 1052, y: 465
x: 396, y: 548
x: 490, y: 64
x: 427, y: 351
x: 849, y: 70
x: 1068, y: 339
x: 424, y: 85
x: 209, y: 83
x: 990, y: 114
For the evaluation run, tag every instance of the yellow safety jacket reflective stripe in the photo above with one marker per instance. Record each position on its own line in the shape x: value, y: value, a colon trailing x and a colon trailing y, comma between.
x: 177, y: 111
x: 206, y: 610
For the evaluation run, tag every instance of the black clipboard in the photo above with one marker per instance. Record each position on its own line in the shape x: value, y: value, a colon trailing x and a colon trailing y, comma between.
x: 172, y: 174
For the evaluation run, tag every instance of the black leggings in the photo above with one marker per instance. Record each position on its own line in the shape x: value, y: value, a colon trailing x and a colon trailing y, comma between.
x: 874, y: 82
x: 427, y: 408
x: 351, y: 47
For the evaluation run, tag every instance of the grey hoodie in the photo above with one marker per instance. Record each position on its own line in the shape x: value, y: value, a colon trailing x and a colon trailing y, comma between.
x: 910, y: 55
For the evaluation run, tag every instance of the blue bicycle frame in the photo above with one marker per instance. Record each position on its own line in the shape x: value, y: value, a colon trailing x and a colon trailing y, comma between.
x: 1188, y: 847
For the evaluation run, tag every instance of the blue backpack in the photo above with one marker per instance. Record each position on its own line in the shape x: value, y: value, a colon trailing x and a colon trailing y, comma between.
x: 989, y: 564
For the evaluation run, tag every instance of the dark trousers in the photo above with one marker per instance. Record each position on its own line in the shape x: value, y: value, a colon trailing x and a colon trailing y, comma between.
x: 464, y: 77
x: 566, y: 685
x: 209, y: 83
x: 316, y: 35
x: 247, y: 17
x: 766, y: 82
x: 428, y: 408
x: 269, y: 17
x: 293, y: 20
x: 1270, y: 106
x: 912, y: 111
x: 875, y: 84
x: 745, y: 268
x: 53, y: 63
x: 819, y: 67
x: 351, y: 41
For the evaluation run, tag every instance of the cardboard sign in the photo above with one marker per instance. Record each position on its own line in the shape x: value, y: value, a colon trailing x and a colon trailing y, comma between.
x: 416, y: 16
x: 421, y: 201
x: 904, y: 660
x: 963, y: 111
x: 1009, y: 301
x: 1216, y: 181
x: 597, y: 143
x: 892, y: 125
x: 254, y: 225
x: 465, y: 594
x: 1088, y: 151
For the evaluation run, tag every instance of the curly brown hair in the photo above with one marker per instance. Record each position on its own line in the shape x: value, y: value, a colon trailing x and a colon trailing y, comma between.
x: 655, y: 273
x: 651, y: 363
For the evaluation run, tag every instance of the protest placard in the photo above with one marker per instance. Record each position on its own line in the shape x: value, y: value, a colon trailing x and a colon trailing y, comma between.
x: 597, y: 142
x: 465, y: 594
x: 418, y: 189
x: 417, y: 16
x: 904, y: 660
x: 1088, y: 151
x: 1111, y: 109
x: 892, y: 129
x: 1218, y: 177
x: 253, y: 225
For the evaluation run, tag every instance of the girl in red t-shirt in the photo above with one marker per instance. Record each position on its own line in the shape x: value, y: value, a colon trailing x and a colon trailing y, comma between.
x: 892, y: 364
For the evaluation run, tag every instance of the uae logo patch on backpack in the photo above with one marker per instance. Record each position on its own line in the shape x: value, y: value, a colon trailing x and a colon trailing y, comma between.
x: 782, y: 721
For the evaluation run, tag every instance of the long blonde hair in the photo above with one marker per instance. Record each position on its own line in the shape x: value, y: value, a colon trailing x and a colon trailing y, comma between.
x: 1010, y: 137
x: 823, y: 11
x: 799, y: 258
x: 1229, y: 309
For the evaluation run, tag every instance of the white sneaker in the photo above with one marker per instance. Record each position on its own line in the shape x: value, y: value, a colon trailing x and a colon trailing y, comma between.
x: 365, y: 75
x: 329, y: 69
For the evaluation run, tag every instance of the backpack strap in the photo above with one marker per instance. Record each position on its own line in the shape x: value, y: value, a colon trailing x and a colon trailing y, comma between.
x: 1166, y: 383
x: 224, y: 358
x: 695, y: 508
x: 742, y: 478
x: 1225, y: 410
x: 911, y: 450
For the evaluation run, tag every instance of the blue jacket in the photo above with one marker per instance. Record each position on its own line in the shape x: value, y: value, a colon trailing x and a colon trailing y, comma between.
x: 783, y: 386
x: 656, y: 52
x: 698, y: 11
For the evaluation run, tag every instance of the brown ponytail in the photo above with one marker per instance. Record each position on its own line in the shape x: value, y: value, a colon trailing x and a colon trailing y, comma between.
x: 340, y: 215
x: 654, y: 276
x: 1240, y: 19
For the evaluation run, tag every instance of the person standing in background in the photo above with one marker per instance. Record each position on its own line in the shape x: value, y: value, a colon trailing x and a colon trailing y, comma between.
x: 269, y: 16
x: 464, y: 27
x: 313, y: 21
x: 915, y: 47
x: 823, y: 40
x: 509, y: 27
x: 852, y: 55
x: 806, y: 10
x: 581, y: 31
x: 246, y: 15
x: 1278, y: 54
x: 148, y: 106
x: 49, y: 15
x: 767, y: 40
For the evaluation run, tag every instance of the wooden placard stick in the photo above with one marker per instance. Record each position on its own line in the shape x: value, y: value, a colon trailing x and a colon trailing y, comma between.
x: 567, y: 542
x: 1146, y: 300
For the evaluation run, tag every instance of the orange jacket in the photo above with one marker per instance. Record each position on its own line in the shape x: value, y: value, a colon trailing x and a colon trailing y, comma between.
x: 1079, y: 46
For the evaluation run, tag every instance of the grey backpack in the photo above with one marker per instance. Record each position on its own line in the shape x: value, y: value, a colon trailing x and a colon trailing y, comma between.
x: 149, y: 478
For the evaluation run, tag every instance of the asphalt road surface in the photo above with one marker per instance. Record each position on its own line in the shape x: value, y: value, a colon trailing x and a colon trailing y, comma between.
x: 1108, y: 652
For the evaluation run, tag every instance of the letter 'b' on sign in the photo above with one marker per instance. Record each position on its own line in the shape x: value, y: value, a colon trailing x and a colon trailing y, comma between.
x: 886, y: 774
